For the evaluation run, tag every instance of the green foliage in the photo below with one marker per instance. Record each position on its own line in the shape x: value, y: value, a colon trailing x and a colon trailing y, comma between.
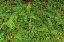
x: 35, y: 21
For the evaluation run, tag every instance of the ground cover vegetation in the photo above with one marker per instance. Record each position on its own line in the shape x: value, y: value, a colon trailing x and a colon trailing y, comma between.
x: 31, y: 20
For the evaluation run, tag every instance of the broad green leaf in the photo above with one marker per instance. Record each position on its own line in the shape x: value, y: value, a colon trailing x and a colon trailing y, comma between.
x: 49, y: 22
x: 10, y: 24
x: 18, y: 36
x: 54, y: 32
x: 28, y: 7
x: 44, y: 28
x: 32, y: 15
x: 30, y: 24
x: 22, y: 13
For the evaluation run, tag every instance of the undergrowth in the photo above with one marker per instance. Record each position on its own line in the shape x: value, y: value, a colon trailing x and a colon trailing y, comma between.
x: 31, y: 20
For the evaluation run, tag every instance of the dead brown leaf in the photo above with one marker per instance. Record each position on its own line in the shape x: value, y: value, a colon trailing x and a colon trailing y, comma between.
x: 57, y: 37
x: 11, y: 35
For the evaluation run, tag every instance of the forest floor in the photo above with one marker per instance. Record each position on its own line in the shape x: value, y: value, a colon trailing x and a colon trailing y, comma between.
x: 32, y: 21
